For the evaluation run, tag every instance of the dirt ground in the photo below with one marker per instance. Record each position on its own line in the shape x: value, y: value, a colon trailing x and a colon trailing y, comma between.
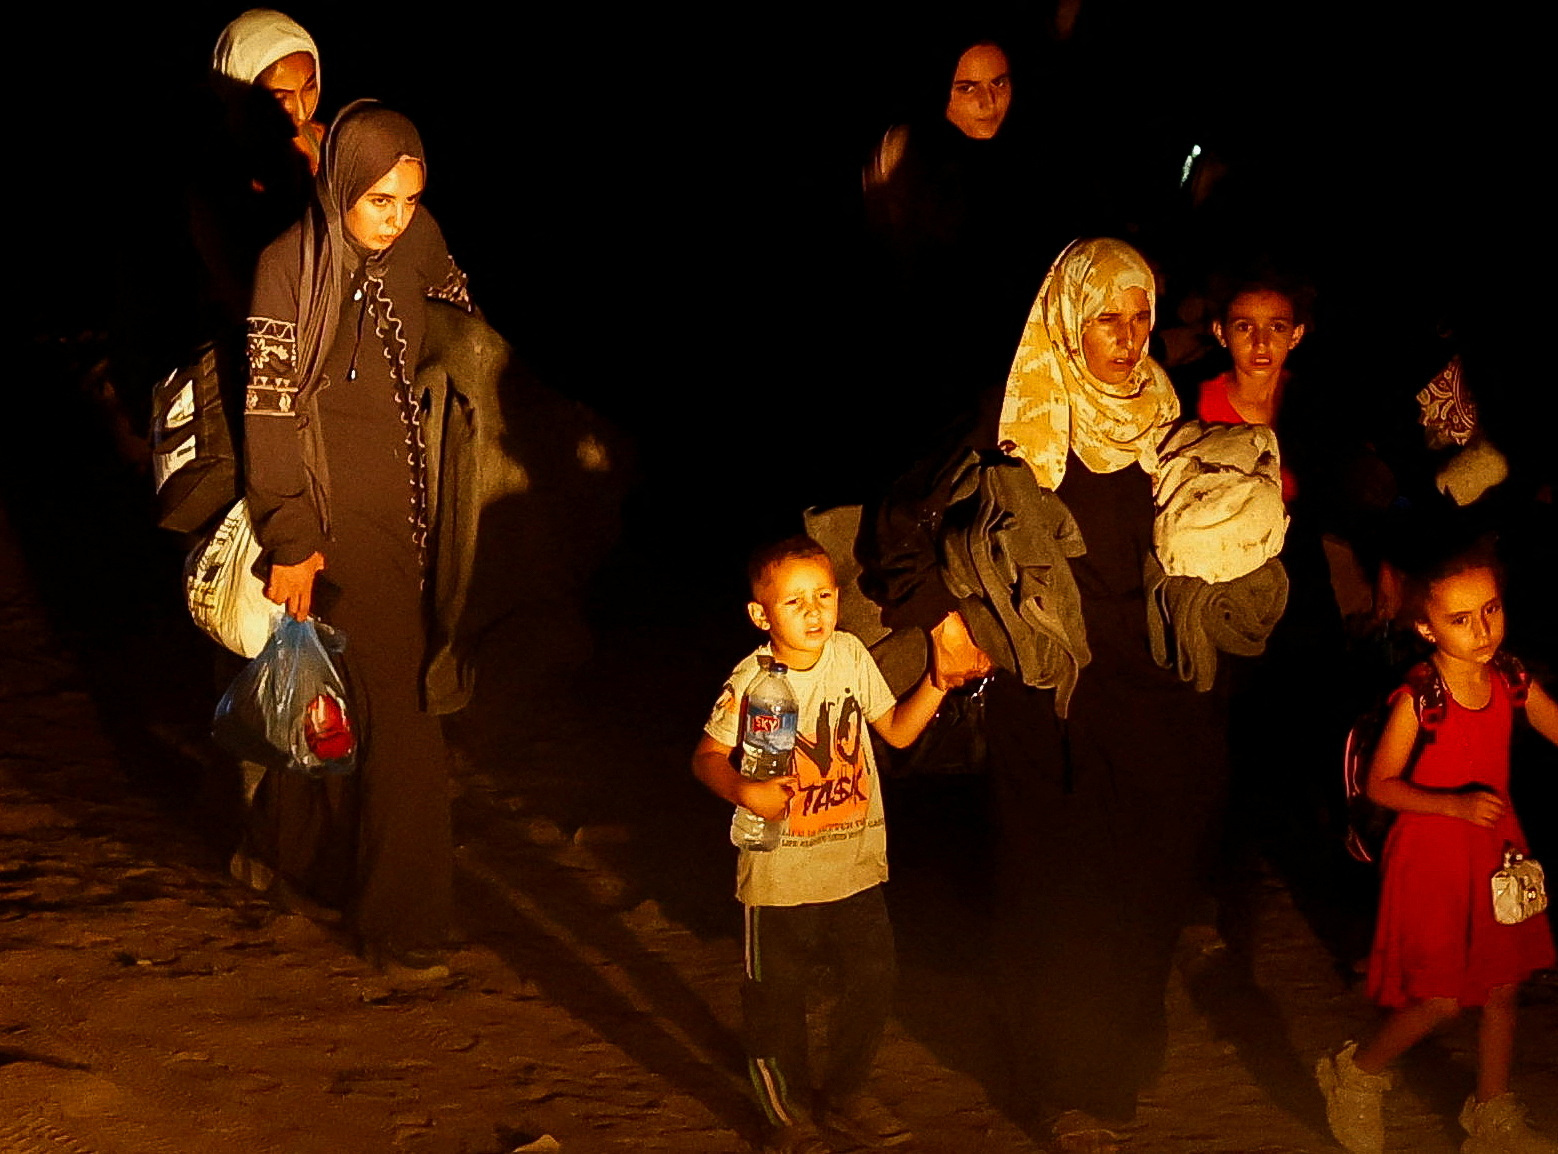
x: 149, y: 1004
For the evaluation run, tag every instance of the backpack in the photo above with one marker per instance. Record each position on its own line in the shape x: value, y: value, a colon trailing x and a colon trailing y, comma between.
x: 1367, y: 821
x: 193, y: 460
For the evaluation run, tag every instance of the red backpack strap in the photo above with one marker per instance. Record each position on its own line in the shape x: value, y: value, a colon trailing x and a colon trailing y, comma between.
x: 1367, y: 823
x: 1429, y: 698
x: 1516, y: 677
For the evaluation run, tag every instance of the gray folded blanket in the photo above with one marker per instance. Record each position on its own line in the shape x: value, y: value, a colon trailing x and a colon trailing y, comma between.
x: 1005, y: 553
x: 1200, y: 618
x: 1006, y: 546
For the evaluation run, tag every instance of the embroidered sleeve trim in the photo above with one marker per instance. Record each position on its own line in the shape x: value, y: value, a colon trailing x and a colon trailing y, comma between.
x: 454, y: 290
x: 273, y: 384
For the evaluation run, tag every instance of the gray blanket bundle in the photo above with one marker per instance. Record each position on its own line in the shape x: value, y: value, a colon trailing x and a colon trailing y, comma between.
x: 1005, y: 549
x: 1199, y: 618
x: 1006, y: 546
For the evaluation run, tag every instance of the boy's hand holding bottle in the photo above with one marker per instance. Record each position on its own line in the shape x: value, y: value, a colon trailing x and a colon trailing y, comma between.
x: 768, y: 799
x: 768, y: 729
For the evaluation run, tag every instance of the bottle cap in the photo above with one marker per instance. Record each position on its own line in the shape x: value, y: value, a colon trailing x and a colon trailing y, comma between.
x: 778, y: 667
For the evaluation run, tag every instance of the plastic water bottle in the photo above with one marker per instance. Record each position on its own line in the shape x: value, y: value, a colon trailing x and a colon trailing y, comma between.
x: 767, y: 748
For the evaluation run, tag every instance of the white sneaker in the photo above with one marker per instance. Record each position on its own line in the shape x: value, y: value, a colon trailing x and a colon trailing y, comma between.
x: 1499, y: 1126
x: 1353, y: 1102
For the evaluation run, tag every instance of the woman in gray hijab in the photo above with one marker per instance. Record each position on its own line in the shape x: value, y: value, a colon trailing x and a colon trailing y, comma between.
x: 338, y: 494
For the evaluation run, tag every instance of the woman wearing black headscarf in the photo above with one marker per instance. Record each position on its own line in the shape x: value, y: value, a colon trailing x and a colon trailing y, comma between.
x: 964, y: 222
x: 337, y: 491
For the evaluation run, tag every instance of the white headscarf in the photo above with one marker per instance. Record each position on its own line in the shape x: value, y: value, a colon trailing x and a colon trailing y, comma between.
x: 255, y: 41
x: 1053, y: 404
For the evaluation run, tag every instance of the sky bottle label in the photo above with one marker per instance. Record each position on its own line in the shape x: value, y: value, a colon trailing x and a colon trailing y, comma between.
x: 768, y: 728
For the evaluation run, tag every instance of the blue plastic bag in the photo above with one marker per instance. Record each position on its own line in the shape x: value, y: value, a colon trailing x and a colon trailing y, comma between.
x: 287, y: 708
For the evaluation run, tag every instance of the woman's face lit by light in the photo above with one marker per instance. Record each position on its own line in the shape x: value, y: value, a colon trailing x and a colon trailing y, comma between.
x: 294, y: 82
x: 383, y: 212
x: 1114, y: 340
x: 981, y: 92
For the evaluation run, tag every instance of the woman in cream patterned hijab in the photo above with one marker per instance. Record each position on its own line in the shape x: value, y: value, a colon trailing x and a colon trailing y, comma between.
x: 1081, y: 381
x: 1124, y: 792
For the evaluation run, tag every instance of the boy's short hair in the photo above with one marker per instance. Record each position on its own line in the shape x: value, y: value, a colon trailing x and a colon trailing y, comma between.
x: 1420, y: 579
x: 765, y: 557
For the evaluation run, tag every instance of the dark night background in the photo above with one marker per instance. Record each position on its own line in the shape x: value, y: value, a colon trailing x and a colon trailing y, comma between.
x: 660, y: 207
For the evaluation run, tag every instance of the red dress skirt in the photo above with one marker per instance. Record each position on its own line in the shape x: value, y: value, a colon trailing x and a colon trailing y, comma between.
x: 1436, y: 936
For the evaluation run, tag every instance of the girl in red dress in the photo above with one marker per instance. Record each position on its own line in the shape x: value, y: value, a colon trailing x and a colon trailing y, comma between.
x: 1437, y: 946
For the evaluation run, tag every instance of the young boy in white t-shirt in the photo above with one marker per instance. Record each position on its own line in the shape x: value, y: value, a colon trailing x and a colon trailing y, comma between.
x: 818, y: 896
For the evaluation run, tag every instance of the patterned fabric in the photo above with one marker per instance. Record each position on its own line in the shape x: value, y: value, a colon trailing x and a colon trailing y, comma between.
x: 454, y: 290
x: 1053, y: 404
x: 273, y: 386
x: 304, y: 279
x: 391, y: 334
x: 1446, y: 410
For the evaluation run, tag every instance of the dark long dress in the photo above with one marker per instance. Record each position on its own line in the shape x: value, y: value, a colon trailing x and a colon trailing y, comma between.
x: 1102, y: 821
x: 1103, y: 826
x: 377, y: 843
x: 1283, y: 797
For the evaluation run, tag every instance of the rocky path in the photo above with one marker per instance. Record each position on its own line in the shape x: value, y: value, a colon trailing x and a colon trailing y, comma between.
x: 151, y: 1005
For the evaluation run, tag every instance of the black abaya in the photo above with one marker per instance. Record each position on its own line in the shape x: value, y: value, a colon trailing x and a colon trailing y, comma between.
x: 336, y: 466
x: 1103, y: 822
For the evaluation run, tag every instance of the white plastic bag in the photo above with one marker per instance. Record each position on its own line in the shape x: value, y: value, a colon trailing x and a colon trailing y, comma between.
x: 225, y: 598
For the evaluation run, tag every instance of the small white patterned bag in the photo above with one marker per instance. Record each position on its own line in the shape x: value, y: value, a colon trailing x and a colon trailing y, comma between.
x: 1519, y: 888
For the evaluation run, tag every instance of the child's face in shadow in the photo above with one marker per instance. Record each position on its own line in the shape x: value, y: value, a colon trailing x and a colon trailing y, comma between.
x: 384, y: 212
x: 1259, y: 332
x: 1465, y: 616
x: 797, y: 604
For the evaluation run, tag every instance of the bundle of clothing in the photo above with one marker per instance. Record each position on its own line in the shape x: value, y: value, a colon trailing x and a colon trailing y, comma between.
x: 1005, y: 551
x: 1213, y: 580
x: 1006, y: 547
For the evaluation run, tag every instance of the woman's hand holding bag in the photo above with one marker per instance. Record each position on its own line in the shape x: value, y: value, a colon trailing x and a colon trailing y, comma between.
x: 287, y: 708
x: 293, y: 585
